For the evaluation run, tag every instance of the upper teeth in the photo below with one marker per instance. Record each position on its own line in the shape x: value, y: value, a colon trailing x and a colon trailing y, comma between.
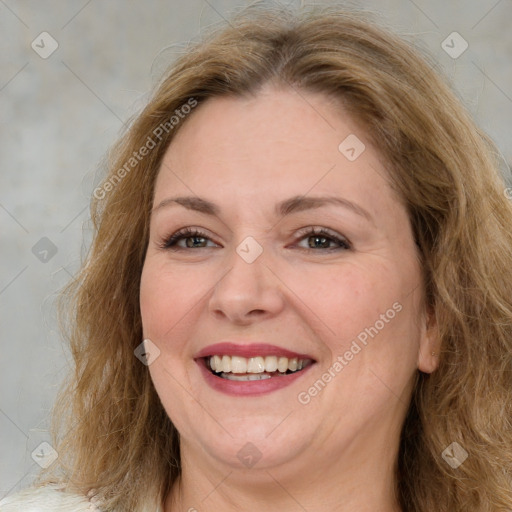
x: 259, y: 364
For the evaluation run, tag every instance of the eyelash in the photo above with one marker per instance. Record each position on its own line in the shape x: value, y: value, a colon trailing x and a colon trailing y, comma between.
x: 171, y: 241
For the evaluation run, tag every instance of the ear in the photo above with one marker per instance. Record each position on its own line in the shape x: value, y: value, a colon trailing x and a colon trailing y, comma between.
x: 430, y: 343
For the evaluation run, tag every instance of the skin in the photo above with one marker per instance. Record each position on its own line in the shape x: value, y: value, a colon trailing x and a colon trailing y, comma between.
x: 338, y: 451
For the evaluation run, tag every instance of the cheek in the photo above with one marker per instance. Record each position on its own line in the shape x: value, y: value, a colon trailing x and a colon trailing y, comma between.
x: 152, y: 302
x: 369, y: 316
x: 164, y: 305
x: 349, y: 299
x: 165, y: 297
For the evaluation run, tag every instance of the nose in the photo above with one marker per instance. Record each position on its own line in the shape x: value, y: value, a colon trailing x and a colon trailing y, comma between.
x: 247, y: 292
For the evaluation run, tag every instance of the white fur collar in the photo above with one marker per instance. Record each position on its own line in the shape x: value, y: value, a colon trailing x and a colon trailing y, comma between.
x: 47, y: 499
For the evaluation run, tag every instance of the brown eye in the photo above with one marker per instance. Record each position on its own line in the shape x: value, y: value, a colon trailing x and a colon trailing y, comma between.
x: 321, y: 238
x: 197, y: 237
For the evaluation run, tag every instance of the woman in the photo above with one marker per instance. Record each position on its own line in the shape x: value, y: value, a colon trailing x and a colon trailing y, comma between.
x: 299, y: 294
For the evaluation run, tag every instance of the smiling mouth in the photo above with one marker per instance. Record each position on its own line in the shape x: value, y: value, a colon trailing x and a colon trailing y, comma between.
x: 254, y: 368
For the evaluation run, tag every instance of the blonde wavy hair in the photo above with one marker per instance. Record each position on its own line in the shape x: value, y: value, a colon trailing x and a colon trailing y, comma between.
x: 110, y: 429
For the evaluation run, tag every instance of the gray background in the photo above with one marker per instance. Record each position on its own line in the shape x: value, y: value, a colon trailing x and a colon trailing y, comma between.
x: 60, y: 114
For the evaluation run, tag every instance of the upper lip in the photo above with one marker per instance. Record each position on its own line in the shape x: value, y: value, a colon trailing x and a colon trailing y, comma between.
x: 248, y: 350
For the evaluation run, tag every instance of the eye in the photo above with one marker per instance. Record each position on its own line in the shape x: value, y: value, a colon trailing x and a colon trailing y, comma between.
x: 322, y: 237
x: 196, y: 236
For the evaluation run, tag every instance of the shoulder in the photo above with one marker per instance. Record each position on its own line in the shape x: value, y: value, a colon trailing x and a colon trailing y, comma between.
x: 50, y: 498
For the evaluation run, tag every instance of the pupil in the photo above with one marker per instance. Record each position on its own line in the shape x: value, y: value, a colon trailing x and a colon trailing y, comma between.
x: 318, y: 238
x: 194, y: 238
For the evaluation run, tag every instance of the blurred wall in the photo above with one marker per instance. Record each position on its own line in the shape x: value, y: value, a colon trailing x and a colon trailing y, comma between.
x: 71, y: 74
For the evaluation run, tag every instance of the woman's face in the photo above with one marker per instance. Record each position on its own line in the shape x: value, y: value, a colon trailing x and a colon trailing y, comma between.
x: 346, y: 304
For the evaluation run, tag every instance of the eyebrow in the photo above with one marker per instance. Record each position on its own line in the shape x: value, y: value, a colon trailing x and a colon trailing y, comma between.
x: 286, y: 207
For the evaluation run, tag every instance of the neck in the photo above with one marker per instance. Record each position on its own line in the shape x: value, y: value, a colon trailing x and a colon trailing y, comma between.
x: 360, y: 480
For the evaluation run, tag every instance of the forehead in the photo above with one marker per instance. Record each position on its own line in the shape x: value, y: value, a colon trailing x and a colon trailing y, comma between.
x: 277, y: 143
x: 275, y: 125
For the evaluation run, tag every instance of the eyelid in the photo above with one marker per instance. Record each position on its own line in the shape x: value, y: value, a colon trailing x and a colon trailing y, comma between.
x: 320, y: 230
x: 323, y: 231
x: 166, y: 242
x: 170, y: 242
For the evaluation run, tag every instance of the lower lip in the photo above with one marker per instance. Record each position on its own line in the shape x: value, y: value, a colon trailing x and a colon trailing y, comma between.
x: 250, y: 387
